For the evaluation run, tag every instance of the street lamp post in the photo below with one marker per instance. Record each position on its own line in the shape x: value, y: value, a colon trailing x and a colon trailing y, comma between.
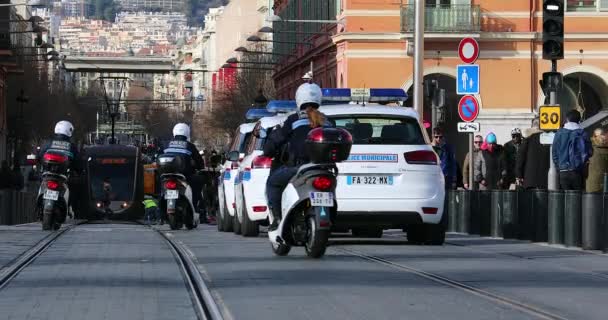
x: 21, y: 99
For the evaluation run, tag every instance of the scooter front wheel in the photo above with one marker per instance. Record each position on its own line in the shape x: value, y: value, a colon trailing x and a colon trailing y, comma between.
x: 316, y: 240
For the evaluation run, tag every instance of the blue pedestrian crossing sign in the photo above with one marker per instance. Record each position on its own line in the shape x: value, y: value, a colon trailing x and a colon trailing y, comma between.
x: 467, y: 80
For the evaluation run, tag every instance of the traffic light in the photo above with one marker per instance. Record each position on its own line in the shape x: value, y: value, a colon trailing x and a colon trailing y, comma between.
x: 553, y: 29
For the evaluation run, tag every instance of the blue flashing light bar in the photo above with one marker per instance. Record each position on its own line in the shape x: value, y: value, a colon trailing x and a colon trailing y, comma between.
x: 256, y: 114
x: 281, y: 106
x: 370, y: 95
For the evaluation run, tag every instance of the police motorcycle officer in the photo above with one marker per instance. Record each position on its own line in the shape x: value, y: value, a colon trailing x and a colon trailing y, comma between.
x: 292, y: 136
x: 192, y: 161
x: 60, y: 158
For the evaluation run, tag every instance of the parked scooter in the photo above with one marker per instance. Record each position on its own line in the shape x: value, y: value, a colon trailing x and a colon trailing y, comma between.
x: 53, y: 194
x: 176, y: 194
x: 308, y: 201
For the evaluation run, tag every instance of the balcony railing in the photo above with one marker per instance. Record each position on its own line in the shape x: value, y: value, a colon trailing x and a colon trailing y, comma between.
x: 443, y: 18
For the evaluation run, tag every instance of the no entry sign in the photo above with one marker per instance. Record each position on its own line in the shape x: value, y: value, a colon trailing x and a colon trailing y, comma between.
x: 468, y: 50
x: 468, y: 108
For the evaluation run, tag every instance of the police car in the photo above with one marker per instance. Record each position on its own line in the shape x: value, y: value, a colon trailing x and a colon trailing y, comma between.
x: 250, y: 191
x: 392, y: 178
x: 228, y: 174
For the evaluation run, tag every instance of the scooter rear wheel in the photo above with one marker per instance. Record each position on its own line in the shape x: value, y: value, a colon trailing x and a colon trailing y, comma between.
x: 47, y: 221
x: 316, y: 242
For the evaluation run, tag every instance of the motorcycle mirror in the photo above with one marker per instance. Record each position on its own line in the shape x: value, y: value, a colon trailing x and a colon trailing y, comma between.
x: 233, y: 156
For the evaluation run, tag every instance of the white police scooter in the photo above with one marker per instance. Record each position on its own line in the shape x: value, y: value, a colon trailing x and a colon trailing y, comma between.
x: 176, y: 194
x: 308, y: 201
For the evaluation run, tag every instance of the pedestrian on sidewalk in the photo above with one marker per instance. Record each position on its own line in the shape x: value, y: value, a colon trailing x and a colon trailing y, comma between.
x: 532, y: 167
x: 477, y: 142
x: 571, y: 153
x: 490, y: 171
x: 447, y: 158
x: 598, y: 163
x: 511, y: 151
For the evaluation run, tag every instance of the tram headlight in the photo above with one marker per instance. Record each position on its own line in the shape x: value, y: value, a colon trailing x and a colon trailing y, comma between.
x: 124, y: 205
x: 98, y: 204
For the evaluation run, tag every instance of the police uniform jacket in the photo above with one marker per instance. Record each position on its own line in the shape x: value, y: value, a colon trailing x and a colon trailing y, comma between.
x: 180, y: 146
x: 61, y: 144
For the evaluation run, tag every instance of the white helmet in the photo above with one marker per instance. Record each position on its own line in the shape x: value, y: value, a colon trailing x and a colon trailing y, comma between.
x: 308, y: 93
x: 181, y: 129
x: 65, y: 128
x: 516, y: 131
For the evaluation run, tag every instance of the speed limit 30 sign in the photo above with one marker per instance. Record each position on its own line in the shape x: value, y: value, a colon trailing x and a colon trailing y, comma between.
x: 550, y: 117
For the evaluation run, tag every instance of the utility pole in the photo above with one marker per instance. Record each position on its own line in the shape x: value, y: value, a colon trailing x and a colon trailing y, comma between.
x: 419, y: 58
x: 553, y: 50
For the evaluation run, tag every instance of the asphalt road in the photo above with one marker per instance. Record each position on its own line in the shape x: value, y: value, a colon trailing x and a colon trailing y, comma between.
x: 120, y: 271
x: 109, y: 271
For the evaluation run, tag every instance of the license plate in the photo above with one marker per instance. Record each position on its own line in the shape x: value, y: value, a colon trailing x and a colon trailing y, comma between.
x: 171, y: 194
x: 51, y: 195
x: 322, y: 199
x: 369, y: 180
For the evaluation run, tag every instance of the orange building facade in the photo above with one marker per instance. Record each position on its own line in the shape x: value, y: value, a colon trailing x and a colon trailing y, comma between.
x: 374, y: 48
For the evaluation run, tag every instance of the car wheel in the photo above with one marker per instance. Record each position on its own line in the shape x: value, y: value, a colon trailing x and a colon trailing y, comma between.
x: 435, y: 234
x: 248, y: 228
x: 236, y: 223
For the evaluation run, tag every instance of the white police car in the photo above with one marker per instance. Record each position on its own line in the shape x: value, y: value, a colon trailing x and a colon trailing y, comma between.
x: 392, y: 178
x: 250, y: 191
x: 228, y: 173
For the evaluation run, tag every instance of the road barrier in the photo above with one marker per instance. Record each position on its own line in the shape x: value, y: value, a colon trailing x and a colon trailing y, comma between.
x: 17, y: 207
x: 556, y: 217
x: 571, y: 218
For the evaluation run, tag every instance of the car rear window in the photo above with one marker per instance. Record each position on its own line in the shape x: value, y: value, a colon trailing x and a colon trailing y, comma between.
x: 381, y: 130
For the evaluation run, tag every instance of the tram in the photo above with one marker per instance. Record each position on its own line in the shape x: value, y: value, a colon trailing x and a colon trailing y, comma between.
x: 114, y: 175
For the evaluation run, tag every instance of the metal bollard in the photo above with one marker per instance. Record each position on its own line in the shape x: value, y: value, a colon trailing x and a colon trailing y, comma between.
x: 485, y: 207
x: 592, y: 210
x: 464, y: 211
x: 509, y: 214
x: 475, y: 216
x: 540, y: 221
x: 572, y: 218
x: 496, y: 214
x: 525, y: 214
x: 452, y: 206
x: 556, y: 217
x: 604, y: 232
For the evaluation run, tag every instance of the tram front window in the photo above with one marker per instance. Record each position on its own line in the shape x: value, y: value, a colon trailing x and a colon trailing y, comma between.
x: 115, y: 175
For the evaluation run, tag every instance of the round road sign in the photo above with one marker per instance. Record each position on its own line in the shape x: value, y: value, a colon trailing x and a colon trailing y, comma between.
x: 468, y: 108
x: 468, y: 50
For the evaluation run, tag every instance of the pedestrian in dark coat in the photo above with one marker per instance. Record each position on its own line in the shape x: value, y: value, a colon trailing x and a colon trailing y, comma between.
x: 598, y: 164
x: 533, y: 164
x: 490, y: 168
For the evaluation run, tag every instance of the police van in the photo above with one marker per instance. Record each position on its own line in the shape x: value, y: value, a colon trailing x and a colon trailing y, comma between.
x: 392, y: 178
x: 230, y: 170
x: 250, y: 191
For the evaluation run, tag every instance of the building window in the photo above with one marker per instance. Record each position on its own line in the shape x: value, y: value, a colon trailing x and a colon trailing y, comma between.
x: 438, y: 3
x: 586, y: 5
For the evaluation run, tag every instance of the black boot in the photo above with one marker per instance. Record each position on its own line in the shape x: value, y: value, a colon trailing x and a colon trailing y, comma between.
x: 276, y: 221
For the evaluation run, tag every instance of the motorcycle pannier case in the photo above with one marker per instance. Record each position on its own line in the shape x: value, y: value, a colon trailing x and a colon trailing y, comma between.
x: 328, y: 145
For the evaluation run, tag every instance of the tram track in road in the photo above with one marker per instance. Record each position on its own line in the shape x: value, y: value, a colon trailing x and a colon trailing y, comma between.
x: 25, y: 259
x: 203, y: 301
x: 485, y: 294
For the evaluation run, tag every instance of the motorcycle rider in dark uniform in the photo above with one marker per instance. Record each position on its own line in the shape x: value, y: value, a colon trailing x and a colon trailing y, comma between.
x: 61, y: 143
x: 181, y: 145
x: 293, y: 133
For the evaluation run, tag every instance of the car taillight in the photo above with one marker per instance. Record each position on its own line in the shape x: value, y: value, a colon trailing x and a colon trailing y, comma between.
x: 428, y: 210
x: 234, y: 165
x: 259, y: 209
x: 55, y: 157
x: 53, y: 185
x: 421, y: 157
x: 171, y: 184
x: 322, y: 183
x: 261, y: 162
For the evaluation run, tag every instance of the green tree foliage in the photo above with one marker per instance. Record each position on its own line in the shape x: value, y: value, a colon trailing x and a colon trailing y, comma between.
x: 196, y: 10
x: 106, y: 9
